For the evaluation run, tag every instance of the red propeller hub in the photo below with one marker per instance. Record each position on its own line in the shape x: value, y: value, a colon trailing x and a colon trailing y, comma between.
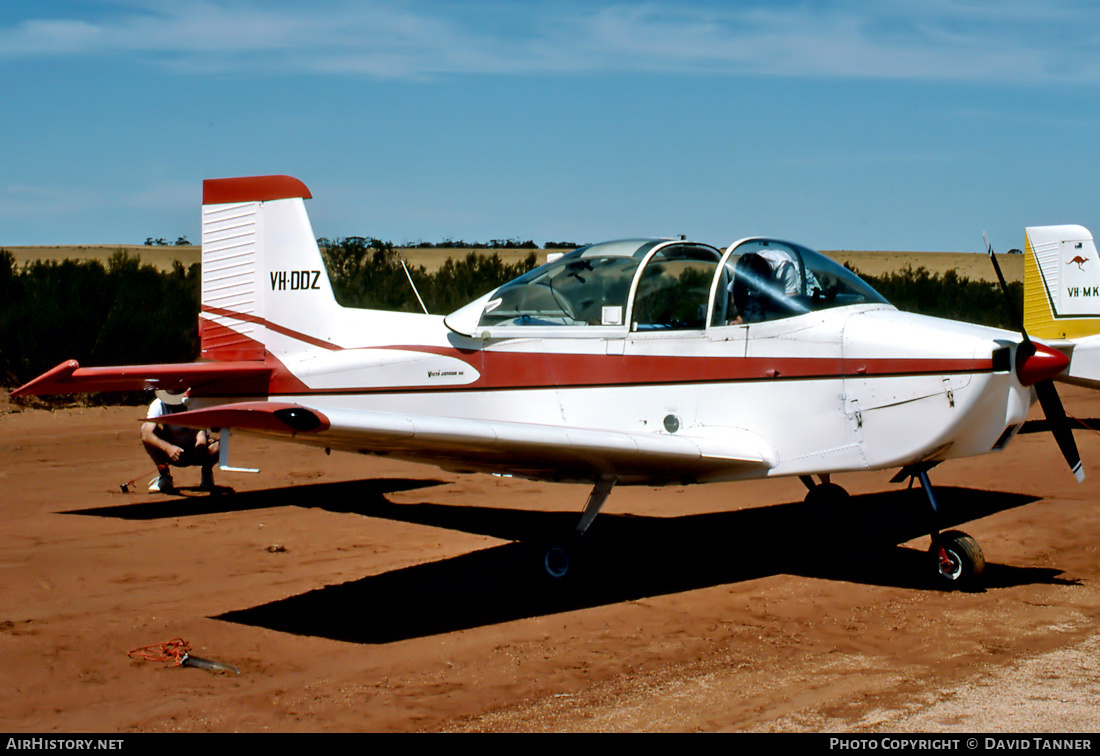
x: 1042, y: 363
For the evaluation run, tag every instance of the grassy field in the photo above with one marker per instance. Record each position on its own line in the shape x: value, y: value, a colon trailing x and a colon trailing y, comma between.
x: 974, y: 266
x: 161, y: 257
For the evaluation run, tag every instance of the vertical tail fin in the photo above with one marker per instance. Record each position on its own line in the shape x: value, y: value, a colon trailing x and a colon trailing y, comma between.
x: 1061, y: 283
x: 264, y: 283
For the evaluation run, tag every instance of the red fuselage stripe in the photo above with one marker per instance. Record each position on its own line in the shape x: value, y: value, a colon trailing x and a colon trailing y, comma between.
x: 512, y: 371
x: 272, y: 327
x: 502, y: 371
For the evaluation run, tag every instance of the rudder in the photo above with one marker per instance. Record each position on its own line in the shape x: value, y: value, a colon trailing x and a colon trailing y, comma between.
x: 1061, y: 282
x: 264, y: 283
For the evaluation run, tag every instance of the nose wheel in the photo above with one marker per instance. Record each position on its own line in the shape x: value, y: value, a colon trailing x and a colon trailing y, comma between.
x: 957, y: 559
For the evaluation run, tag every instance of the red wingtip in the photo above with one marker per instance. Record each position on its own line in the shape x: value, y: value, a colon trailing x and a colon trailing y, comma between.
x: 47, y: 382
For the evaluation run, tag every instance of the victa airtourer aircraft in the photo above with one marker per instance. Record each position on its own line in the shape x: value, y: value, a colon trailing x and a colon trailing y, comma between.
x: 636, y: 362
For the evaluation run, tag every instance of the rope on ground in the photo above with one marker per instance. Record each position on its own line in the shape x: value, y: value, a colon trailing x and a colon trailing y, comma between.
x: 176, y: 650
x: 1083, y: 424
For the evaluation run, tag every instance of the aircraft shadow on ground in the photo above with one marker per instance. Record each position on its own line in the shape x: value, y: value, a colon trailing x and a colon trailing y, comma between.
x: 335, y: 497
x: 624, y: 557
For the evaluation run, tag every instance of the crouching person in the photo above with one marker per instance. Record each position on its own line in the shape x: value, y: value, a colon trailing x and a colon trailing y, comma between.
x: 175, y: 446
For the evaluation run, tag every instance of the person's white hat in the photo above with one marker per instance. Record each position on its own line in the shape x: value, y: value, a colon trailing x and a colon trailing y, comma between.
x: 175, y: 398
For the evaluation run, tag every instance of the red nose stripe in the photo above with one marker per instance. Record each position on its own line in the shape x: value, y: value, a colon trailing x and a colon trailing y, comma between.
x: 1047, y: 362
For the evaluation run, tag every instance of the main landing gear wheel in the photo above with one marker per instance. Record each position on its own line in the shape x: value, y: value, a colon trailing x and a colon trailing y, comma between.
x: 957, y: 559
x: 826, y: 507
x: 557, y: 560
x: 561, y: 557
x: 826, y: 496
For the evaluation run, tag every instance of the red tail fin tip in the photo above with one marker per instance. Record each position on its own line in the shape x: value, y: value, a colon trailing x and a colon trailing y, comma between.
x: 252, y: 189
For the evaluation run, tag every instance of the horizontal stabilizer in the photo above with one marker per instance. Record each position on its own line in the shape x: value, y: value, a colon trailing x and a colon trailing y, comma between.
x: 225, y: 377
x: 1084, y: 365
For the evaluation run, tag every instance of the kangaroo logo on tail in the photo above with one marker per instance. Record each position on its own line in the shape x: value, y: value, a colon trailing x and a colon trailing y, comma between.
x: 1078, y: 259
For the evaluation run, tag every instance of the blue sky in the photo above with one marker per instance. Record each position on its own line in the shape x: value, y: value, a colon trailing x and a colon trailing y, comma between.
x: 852, y: 124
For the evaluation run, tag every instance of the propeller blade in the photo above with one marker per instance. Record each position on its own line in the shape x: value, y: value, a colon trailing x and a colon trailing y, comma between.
x: 1038, y: 364
x: 1004, y: 289
x: 1059, y: 426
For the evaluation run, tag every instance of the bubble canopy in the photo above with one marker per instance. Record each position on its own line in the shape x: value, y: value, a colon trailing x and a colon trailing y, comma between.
x: 663, y: 285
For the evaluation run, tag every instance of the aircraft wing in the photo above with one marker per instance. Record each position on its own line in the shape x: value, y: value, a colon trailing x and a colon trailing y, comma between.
x: 225, y: 377
x: 527, y: 450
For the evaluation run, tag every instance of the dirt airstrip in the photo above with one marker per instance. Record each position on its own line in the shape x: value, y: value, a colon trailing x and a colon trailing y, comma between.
x: 358, y: 594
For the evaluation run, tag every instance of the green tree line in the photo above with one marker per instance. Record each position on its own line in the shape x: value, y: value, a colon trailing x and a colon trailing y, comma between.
x: 367, y: 274
x: 121, y: 313
x: 949, y: 296
x: 127, y: 312
x: 458, y: 244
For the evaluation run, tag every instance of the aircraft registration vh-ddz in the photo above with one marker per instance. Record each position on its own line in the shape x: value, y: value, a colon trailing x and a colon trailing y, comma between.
x: 639, y: 362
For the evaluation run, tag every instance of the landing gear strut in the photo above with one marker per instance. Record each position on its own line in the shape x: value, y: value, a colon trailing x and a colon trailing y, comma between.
x: 558, y: 558
x: 956, y: 558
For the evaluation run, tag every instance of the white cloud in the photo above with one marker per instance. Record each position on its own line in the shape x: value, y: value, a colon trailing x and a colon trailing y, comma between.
x: 1018, y: 41
x: 50, y: 36
x: 981, y: 40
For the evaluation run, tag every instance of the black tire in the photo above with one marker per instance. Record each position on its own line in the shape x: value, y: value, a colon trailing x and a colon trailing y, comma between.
x: 957, y: 559
x: 826, y: 496
x: 557, y: 560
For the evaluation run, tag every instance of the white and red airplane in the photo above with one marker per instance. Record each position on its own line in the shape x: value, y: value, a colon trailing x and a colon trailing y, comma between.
x: 639, y: 362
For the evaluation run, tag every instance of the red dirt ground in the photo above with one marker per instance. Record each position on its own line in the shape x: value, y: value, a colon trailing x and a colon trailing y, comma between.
x: 356, y: 594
